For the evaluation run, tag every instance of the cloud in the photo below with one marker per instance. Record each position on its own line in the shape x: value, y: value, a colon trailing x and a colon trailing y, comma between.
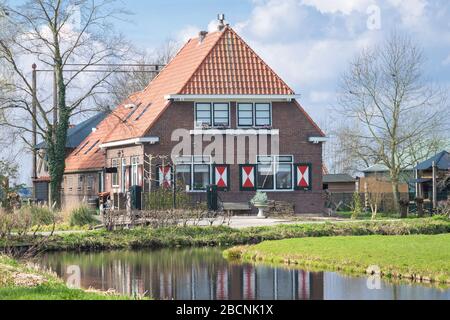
x: 192, y: 31
x: 446, y: 61
x: 411, y: 11
x: 339, y: 6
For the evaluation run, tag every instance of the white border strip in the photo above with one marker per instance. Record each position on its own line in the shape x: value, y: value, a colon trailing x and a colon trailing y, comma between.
x: 137, y: 141
x: 232, y: 97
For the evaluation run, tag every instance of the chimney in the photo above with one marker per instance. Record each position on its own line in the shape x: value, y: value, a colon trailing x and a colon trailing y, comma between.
x: 221, y: 18
x: 202, y: 35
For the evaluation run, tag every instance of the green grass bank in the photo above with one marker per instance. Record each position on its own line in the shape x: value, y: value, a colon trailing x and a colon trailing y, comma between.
x: 414, y: 257
x: 20, y: 282
x: 225, y: 236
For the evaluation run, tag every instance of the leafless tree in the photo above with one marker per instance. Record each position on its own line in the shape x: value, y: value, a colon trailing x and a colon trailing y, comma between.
x: 387, y: 97
x: 121, y: 85
x: 57, y: 34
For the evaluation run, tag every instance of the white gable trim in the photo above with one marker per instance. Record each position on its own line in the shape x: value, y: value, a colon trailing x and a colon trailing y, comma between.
x: 137, y: 141
x: 232, y: 97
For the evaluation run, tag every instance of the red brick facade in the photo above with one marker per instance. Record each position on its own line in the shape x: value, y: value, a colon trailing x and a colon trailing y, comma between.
x: 295, y: 130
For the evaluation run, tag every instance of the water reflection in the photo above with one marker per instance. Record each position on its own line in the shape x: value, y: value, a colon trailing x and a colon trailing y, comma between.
x: 202, y: 274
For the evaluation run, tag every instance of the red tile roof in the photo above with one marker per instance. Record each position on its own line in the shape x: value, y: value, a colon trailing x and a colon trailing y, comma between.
x: 232, y: 67
x: 221, y: 64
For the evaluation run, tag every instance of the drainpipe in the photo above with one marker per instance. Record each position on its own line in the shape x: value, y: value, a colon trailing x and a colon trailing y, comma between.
x: 34, y: 129
x: 434, y: 186
x: 417, y: 183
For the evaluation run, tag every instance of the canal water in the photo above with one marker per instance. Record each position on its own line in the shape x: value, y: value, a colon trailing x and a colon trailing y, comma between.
x: 203, y: 274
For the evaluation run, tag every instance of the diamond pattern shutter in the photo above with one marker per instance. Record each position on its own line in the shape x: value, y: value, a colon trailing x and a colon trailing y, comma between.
x: 165, y: 176
x: 303, y: 176
x: 221, y: 176
x: 248, y: 177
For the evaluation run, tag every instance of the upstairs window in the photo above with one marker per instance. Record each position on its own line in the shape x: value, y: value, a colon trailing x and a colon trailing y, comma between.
x: 203, y: 115
x: 254, y: 115
x: 212, y: 115
x: 263, y: 116
x: 245, y: 115
x: 221, y: 115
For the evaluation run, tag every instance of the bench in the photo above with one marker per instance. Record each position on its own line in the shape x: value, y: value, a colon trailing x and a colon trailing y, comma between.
x: 231, y: 207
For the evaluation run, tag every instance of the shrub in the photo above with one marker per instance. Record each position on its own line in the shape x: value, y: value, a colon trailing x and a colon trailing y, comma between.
x: 42, y: 215
x: 357, y: 207
x: 82, y: 216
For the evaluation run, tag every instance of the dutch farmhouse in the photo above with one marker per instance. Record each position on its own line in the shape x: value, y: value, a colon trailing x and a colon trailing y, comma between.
x: 215, y: 86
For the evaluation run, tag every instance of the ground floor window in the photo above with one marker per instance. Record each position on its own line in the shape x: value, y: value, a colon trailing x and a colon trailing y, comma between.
x: 275, y: 172
x: 123, y: 175
x: 115, y: 175
x: 90, y: 183
x: 193, y: 172
x: 201, y: 176
x: 134, y: 171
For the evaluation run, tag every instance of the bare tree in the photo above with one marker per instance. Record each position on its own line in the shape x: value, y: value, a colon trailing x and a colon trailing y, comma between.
x: 121, y: 85
x: 58, y: 34
x: 395, y: 108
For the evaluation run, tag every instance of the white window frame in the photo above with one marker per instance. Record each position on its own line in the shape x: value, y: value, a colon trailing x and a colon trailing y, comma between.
x: 123, y: 175
x: 134, y: 171
x: 212, y: 115
x: 254, y: 126
x: 193, y: 161
x: 115, y: 164
x: 237, y: 115
x: 275, y: 163
x: 270, y: 114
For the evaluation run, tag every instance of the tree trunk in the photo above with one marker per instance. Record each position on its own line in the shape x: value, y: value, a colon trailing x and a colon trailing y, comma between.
x: 396, y: 195
x: 58, y: 156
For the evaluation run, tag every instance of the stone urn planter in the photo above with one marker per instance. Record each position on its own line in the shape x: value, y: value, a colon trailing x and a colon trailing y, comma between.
x: 261, y: 202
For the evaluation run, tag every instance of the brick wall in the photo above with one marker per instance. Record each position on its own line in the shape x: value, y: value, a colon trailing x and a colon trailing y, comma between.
x: 295, y: 129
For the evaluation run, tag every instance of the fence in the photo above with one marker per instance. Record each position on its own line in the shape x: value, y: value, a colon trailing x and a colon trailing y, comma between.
x: 163, y: 198
x: 386, y: 203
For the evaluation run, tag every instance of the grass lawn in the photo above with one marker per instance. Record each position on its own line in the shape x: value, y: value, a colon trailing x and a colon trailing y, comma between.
x: 19, y: 282
x: 413, y: 257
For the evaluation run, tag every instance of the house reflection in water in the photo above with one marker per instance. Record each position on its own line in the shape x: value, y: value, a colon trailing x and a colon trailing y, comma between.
x: 203, y: 274
x: 195, y: 274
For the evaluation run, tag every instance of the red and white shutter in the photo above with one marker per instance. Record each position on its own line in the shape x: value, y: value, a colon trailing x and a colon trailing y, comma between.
x: 165, y: 176
x: 248, y: 177
x: 221, y: 176
x: 303, y: 176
